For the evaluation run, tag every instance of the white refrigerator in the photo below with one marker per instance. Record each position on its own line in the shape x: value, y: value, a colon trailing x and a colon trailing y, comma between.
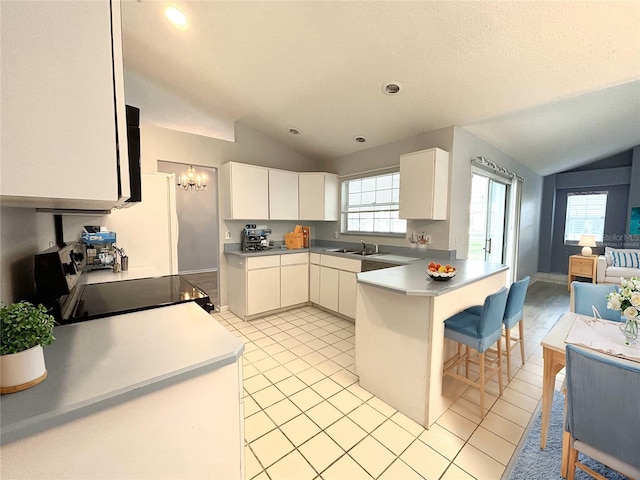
x: 148, y: 231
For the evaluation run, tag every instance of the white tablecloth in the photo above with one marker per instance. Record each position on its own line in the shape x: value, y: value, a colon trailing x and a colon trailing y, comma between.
x: 602, y: 335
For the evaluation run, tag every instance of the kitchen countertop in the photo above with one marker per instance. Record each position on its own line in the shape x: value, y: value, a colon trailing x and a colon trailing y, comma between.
x: 412, y: 279
x: 382, y: 257
x: 95, y: 363
x: 108, y: 275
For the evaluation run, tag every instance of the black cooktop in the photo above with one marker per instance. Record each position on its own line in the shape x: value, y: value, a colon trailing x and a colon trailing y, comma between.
x: 114, y: 298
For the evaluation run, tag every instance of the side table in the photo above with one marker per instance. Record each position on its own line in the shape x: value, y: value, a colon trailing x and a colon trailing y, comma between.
x: 580, y: 266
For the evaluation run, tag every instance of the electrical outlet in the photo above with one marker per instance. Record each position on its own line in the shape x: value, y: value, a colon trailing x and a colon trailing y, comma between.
x: 335, y: 234
x: 227, y: 235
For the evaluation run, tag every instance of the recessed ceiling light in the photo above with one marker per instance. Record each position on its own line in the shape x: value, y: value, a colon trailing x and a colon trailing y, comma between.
x: 176, y: 16
x: 360, y: 139
x: 294, y: 131
x: 391, y: 88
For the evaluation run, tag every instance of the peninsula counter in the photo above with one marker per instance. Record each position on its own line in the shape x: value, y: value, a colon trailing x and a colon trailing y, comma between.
x: 152, y: 394
x: 400, y: 344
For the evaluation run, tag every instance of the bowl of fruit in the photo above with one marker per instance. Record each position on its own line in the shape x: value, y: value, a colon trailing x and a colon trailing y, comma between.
x: 440, y: 273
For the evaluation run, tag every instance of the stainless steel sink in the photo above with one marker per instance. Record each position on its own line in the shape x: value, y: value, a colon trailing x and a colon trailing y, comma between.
x: 351, y: 251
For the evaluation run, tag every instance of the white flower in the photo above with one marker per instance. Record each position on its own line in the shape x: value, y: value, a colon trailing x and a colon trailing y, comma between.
x: 613, y: 304
x: 630, y: 313
x: 635, y: 299
x: 626, y: 292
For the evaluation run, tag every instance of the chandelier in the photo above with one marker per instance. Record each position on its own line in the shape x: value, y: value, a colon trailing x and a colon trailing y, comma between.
x: 192, y: 180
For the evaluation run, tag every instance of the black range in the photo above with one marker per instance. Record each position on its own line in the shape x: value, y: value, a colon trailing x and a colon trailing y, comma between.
x: 57, y: 276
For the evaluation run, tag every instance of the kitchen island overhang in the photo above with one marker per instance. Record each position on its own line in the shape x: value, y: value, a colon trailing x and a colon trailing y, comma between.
x: 400, y: 344
x: 152, y: 394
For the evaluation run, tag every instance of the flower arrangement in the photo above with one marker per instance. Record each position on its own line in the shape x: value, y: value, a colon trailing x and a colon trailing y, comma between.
x: 627, y: 298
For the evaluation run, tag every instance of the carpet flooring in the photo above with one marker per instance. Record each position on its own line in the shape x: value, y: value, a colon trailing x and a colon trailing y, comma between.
x: 533, y: 463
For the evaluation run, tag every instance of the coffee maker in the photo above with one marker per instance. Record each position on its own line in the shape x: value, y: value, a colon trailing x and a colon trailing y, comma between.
x: 254, y: 238
x: 101, y: 251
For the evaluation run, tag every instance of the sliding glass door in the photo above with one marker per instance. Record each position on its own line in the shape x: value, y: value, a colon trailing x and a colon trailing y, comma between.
x: 488, y: 219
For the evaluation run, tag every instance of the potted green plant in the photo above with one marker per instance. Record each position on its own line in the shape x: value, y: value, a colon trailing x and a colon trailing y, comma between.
x: 25, y: 329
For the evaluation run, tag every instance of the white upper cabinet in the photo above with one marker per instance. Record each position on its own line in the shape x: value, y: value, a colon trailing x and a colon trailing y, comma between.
x: 283, y: 195
x: 244, y: 191
x: 424, y: 184
x: 63, y: 110
x: 318, y: 196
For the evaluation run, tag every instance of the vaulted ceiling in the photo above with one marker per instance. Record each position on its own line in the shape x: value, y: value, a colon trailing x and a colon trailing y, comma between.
x: 552, y: 84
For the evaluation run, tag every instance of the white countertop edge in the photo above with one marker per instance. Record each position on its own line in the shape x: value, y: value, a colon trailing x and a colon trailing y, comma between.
x: 430, y: 288
x: 20, y: 429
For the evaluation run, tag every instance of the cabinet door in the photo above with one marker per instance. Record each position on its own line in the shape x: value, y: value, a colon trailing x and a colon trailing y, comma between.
x: 294, y: 284
x: 318, y: 196
x: 283, y: 195
x: 249, y: 191
x: 263, y: 290
x: 314, y: 283
x: 59, y: 104
x: 424, y: 184
x: 347, y: 282
x: 329, y: 288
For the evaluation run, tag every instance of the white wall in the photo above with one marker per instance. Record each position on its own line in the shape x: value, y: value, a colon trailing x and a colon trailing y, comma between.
x: 386, y: 156
x: 467, y: 146
x: 450, y: 234
x: 250, y: 147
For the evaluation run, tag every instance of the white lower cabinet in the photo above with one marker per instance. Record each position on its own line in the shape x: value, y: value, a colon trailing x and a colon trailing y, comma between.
x: 266, y: 283
x: 314, y: 283
x: 263, y: 290
x: 329, y: 288
x: 332, y: 283
x: 347, y: 293
x: 294, y: 279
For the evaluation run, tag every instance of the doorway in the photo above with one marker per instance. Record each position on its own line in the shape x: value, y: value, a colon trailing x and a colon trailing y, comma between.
x: 197, y: 213
x: 488, y: 219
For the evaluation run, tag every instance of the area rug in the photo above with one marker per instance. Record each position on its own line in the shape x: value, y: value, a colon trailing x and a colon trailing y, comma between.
x: 534, y: 463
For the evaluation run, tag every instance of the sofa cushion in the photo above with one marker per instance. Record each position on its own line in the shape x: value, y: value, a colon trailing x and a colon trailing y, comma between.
x: 618, y: 272
x: 626, y: 258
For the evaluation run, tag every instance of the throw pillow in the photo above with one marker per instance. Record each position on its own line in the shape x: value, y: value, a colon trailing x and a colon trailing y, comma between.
x: 626, y: 258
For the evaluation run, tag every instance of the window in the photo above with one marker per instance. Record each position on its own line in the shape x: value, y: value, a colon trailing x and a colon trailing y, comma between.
x: 585, y: 214
x: 371, y: 205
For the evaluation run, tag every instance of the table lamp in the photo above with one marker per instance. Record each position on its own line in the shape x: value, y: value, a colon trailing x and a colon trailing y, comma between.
x: 586, y: 242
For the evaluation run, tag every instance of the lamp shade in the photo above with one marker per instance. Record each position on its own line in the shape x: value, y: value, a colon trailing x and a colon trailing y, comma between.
x: 586, y: 242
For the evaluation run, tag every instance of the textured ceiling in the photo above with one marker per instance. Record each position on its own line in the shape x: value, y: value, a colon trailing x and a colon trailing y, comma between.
x: 552, y: 84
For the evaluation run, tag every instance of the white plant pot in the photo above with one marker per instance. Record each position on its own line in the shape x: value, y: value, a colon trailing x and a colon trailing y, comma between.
x: 22, y: 370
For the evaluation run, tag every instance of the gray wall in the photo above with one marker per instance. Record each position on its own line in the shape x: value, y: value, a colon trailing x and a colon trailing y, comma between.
x: 197, y: 221
x: 613, y: 174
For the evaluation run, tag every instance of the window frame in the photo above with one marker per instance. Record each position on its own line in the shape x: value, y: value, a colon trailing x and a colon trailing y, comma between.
x: 599, y: 236
x: 344, y: 198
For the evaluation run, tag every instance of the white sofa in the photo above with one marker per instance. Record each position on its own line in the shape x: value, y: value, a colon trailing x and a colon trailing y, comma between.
x: 611, y: 265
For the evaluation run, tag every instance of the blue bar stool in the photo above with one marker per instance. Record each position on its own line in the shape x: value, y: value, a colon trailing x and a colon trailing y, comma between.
x: 478, y: 327
x: 513, y: 313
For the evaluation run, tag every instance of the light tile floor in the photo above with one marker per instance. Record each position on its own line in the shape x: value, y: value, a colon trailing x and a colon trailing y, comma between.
x: 306, y: 417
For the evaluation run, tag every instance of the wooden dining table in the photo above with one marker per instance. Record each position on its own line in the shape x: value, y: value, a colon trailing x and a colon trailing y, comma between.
x: 554, y: 360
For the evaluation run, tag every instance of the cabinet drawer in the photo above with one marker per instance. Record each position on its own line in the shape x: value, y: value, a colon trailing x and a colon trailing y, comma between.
x: 582, y: 269
x: 347, y: 264
x: 263, y: 262
x: 294, y: 258
x: 314, y: 258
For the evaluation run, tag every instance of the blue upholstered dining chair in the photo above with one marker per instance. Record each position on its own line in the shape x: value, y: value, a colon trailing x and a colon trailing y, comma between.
x: 602, y: 411
x: 584, y: 296
x: 513, y: 313
x: 478, y: 327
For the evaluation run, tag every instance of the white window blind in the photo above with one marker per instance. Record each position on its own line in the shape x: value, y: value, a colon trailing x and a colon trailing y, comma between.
x: 585, y: 215
x: 371, y: 205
